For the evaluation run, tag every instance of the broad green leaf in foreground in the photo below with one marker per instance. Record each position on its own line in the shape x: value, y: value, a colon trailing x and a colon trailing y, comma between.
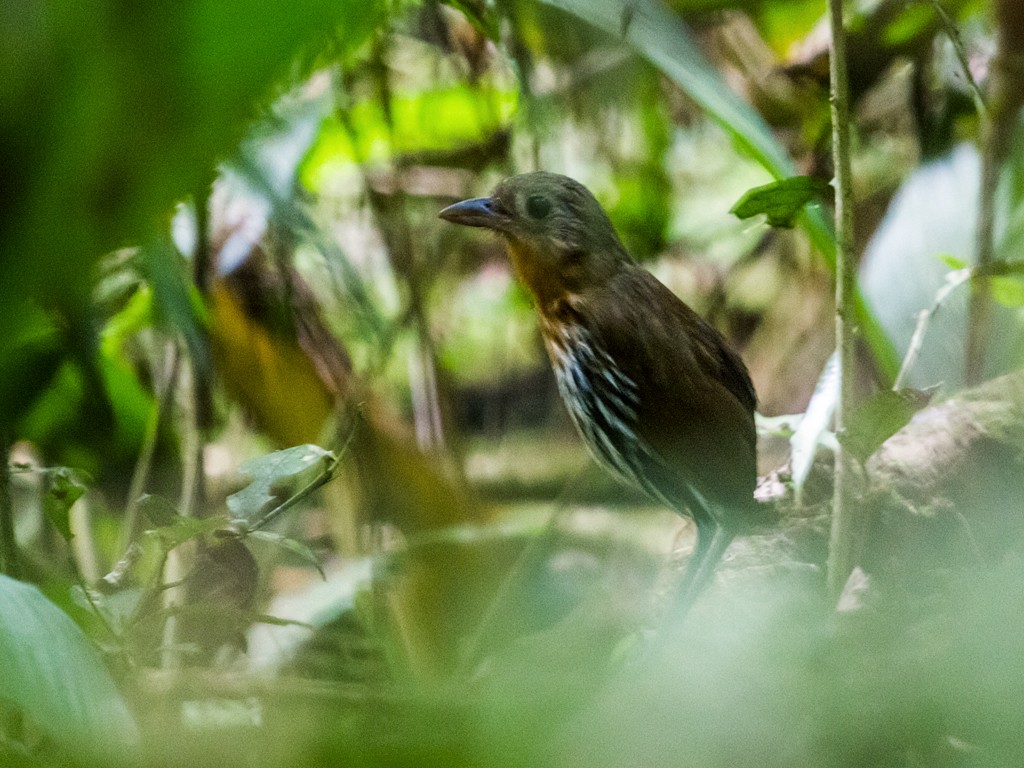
x: 54, y: 675
x: 113, y: 112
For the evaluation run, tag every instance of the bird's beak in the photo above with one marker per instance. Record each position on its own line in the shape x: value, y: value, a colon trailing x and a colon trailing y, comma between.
x: 478, y: 212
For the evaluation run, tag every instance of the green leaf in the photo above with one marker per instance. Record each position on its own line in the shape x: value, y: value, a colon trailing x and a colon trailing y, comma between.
x: 785, y: 24
x: 275, y: 477
x: 780, y: 201
x: 880, y: 417
x: 293, y: 546
x: 64, y: 486
x: 160, y: 511
x: 909, y: 24
x: 1008, y: 291
x: 185, y: 528
x: 117, y: 608
x: 176, y: 301
x: 133, y: 317
x: 953, y: 262
x: 54, y: 675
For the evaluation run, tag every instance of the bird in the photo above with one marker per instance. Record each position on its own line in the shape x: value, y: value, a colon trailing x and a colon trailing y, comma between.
x: 657, y: 394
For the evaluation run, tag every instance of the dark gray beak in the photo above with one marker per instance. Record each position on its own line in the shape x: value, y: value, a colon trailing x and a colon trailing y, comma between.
x: 478, y: 212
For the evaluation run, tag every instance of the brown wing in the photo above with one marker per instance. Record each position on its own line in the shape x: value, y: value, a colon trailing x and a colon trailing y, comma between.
x: 696, y: 399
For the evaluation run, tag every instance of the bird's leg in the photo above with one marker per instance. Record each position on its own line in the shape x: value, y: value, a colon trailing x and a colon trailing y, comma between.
x: 712, y: 541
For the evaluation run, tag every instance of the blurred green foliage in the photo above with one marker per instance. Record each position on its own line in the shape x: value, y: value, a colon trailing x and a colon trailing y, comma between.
x: 109, y: 115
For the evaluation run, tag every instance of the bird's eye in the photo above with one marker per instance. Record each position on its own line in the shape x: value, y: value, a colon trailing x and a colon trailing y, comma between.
x: 538, y: 206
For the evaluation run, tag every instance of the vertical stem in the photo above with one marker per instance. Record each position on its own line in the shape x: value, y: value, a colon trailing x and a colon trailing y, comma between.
x: 846, y: 518
x: 1006, y: 80
x: 191, y: 505
x: 167, y: 377
x: 198, y: 410
x: 979, y: 316
x: 8, y: 546
x: 203, y: 269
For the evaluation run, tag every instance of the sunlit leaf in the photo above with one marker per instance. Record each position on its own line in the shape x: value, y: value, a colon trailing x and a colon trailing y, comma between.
x: 953, y: 262
x: 437, y: 119
x: 53, y: 674
x: 781, y: 200
x: 1008, y: 291
x: 134, y: 316
x: 784, y: 24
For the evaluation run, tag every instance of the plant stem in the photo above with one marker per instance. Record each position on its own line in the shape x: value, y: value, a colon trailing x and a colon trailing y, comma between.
x: 1005, y: 100
x: 949, y: 26
x: 846, y: 517
x: 979, y: 318
x: 163, y: 406
x: 197, y: 421
x: 8, y: 546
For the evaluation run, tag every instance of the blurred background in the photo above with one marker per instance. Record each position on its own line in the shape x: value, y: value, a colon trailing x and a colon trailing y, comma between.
x: 286, y: 456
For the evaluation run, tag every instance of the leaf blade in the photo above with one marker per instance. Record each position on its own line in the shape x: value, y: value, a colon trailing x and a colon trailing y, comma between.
x: 54, y: 675
x: 781, y: 201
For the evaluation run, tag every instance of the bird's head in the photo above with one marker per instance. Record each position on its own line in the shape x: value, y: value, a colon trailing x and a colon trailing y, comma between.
x: 560, y: 239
